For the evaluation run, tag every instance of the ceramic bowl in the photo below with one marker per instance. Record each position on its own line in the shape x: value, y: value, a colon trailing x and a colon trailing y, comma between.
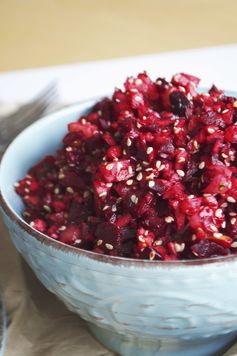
x: 134, y: 307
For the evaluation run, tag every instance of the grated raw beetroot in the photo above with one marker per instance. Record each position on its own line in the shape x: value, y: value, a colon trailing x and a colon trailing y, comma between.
x: 149, y: 174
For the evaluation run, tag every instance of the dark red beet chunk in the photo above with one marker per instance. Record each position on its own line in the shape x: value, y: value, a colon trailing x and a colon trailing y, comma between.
x: 149, y: 174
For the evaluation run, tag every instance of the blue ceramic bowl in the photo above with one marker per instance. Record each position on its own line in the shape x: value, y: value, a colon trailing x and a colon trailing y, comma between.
x: 134, y: 307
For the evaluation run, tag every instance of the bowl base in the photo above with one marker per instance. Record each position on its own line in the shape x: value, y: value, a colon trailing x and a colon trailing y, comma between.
x: 128, y: 345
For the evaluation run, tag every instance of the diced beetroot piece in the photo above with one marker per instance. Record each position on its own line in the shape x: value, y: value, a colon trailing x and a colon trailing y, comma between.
x: 185, y: 79
x: 231, y: 134
x: 221, y: 239
x: 113, y: 152
x: 118, y: 171
x: 206, y: 249
x: 87, y: 130
x: 39, y: 225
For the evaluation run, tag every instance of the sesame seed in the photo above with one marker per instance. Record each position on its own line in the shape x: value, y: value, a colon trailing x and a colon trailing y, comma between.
x: 231, y: 200
x: 129, y: 142
x: 179, y: 247
x: 224, y: 205
x: 224, y: 155
x: 109, y: 166
x: 148, y: 169
x: 181, y: 160
x: 69, y: 149
x: 151, y: 176
x: 130, y: 170
x: 191, y: 196
x: 139, y: 125
x: 102, y: 194
x: 141, y: 238
x: 146, y: 232
x: 77, y: 241
x: 210, y: 130
x: 145, y: 163
x: 149, y: 150
x: 157, y: 242
x: 26, y: 190
x: 134, y: 199
x: 109, y: 185
x: 56, y: 191
x: 234, y: 244
x: 169, y: 219
x: 16, y: 185
x: 83, y: 121
x: 109, y: 246
x: 213, y: 227
x: 196, y: 144
x: 151, y: 183
x: 129, y: 182
x: 105, y: 207
x: 235, y: 104
x: 137, y: 98
x: 99, y: 242
x: 139, y: 176
x: 225, y: 111
x: 177, y: 130
x: 47, y: 208
x: 163, y: 155
x: 233, y: 221
x: 86, y: 194
x: 61, y: 176
x: 114, y: 208
x: 70, y: 190
x: 138, y: 81
x: 232, y: 213
x: 218, y: 213
x: 161, y: 168
x: 194, y: 237
x: 180, y: 173
x: 217, y: 235
x: 201, y: 165
x: 223, y: 225
x: 158, y: 164
x: 62, y: 228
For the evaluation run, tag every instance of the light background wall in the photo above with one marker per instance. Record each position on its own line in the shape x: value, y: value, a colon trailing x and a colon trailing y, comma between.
x: 48, y: 32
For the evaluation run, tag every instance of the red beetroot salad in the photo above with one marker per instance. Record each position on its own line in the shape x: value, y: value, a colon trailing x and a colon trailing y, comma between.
x: 148, y: 174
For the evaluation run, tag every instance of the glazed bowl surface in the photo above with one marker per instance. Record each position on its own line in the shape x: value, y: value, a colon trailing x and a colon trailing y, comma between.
x: 134, y: 307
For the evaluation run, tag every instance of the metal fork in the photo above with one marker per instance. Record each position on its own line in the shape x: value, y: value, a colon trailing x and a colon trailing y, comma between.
x: 12, y: 124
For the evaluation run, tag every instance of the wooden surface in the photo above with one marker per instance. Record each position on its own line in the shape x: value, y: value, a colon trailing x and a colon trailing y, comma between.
x: 48, y: 32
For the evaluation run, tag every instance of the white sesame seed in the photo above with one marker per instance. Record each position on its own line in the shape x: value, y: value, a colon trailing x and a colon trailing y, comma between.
x: 218, y: 213
x: 146, y: 232
x: 232, y: 213
x: 62, y: 228
x: 83, y: 121
x: 16, y: 185
x: 180, y: 173
x: 149, y: 150
x: 134, y: 199
x: 225, y: 111
x: 114, y: 208
x: 217, y: 234
x: 151, y: 183
x: 196, y: 144
x: 148, y: 169
x: 47, y: 208
x: 157, y: 242
x: 194, y: 237
x: 99, y: 242
x: 224, y: 155
x: 109, y: 166
x: 105, y: 207
x: 130, y: 170
x: 161, y: 168
x: 69, y: 149
x: 158, y: 164
x: 233, y: 221
x: 181, y: 160
x: 61, y: 176
x: 86, y: 194
x: 139, y: 176
x: 201, y: 165
x: 191, y: 196
x: 102, y: 194
x: 224, y: 205
x: 210, y: 130
x: 139, y: 125
x: 179, y: 247
x: 223, y: 225
x: 151, y: 176
x: 163, y: 155
x: 137, y: 98
x: 169, y: 219
x: 129, y: 182
x: 109, y: 185
x: 234, y: 244
x: 235, y: 104
x: 70, y: 190
x: 109, y: 246
x: 141, y: 238
x: 177, y: 130
x: 213, y: 227
x: 145, y: 163
x: 138, y: 81
x: 231, y: 200
x: 129, y: 142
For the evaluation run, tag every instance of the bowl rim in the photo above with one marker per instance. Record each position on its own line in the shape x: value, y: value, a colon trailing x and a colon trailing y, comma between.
x: 58, y: 245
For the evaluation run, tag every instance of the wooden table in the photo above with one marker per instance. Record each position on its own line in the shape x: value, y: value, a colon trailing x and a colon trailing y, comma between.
x: 48, y: 32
